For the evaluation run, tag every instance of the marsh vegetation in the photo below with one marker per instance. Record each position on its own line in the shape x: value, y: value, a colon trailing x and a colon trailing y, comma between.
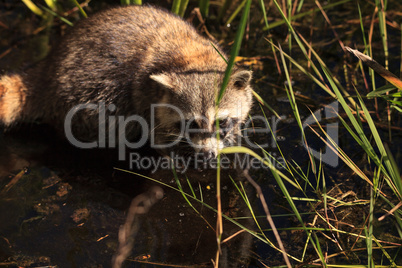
x: 327, y: 127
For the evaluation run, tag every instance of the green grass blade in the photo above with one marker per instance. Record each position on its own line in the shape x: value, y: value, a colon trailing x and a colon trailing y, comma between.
x: 361, y: 26
x: 176, y: 6
x: 303, y: 70
x: 369, y: 233
x: 57, y: 15
x: 83, y: 13
x: 34, y: 8
x: 392, y: 173
x: 304, y: 14
x: 226, y: 5
x: 265, y: 104
x: 51, y: 4
x: 220, y: 54
x: 183, y: 7
x: 291, y: 95
x: 234, y: 51
x: 204, y: 8
x: 236, y: 12
x: 383, y: 28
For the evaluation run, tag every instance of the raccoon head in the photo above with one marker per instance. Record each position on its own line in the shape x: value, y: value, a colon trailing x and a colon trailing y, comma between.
x: 188, y: 117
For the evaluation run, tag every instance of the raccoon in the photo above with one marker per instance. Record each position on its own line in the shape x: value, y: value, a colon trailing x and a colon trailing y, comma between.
x: 135, y: 60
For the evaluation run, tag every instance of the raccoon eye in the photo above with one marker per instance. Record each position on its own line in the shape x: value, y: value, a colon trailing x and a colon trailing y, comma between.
x: 223, y: 123
x: 226, y: 125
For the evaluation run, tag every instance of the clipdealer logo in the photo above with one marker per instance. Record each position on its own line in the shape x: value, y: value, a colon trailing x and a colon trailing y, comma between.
x: 112, y: 133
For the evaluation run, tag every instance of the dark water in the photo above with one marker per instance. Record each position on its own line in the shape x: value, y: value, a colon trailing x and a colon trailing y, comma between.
x: 67, y: 204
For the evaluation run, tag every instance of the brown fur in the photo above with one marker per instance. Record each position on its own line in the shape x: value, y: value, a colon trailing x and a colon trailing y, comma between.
x: 12, y: 98
x: 131, y: 57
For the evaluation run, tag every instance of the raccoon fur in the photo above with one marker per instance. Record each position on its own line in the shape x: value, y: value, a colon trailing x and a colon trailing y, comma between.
x: 129, y: 58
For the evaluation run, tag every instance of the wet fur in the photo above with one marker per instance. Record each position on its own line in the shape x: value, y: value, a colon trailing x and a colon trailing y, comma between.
x: 131, y: 57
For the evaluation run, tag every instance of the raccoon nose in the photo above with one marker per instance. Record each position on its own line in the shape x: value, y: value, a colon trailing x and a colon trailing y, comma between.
x: 209, y: 154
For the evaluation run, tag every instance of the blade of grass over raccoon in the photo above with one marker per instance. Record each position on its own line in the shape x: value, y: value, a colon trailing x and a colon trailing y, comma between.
x: 234, y: 51
x: 220, y: 54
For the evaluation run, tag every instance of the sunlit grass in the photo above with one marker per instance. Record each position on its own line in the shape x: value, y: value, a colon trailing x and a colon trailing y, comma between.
x: 371, y: 142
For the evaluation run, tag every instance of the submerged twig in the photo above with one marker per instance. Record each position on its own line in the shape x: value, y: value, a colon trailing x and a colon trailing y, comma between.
x: 390, y: 212
x: 14, y: 180
x: 269, y: 217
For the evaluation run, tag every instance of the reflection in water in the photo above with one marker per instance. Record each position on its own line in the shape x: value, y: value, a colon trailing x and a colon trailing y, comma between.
x: 68, y: 209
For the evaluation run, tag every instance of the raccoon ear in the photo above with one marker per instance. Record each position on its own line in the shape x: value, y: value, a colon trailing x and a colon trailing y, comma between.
x: 163, y: 80
x: 241, y: 78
